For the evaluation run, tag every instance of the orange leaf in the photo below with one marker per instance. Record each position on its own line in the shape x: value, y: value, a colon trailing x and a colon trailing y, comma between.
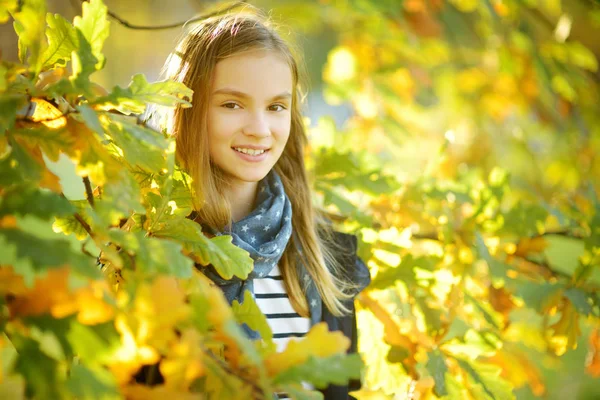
x: 531, y: 245
x: 519, y: 370
x: 52, y: 294
x: 184, y: 362
x: 592, y: 362
x: 140, y: 392
x: 392, y: 334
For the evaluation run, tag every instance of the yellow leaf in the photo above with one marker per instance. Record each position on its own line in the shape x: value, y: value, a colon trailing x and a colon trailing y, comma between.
x: 402, y: 84
x: 140, y: 392
x: 341, y: 65
x: 471, y: 80
x: 566, y: 330
x: 518, y: 369
x: 158, y: 308
x: 534, y: 245
x: 465, y: 5
x: 131, y: 355
x: 183, y: 364
x: 52, y: 294
x: 10, y: 282
x: 365, y: 394
x: 319, y: 342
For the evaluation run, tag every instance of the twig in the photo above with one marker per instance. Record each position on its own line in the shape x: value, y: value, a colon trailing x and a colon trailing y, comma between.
x: 173, y: 25
x: 88, y: 191
x: 84, y: 224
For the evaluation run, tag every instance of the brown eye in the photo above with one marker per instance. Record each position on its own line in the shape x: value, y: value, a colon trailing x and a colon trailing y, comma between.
x: 231, y: 106
x: 276, y: 107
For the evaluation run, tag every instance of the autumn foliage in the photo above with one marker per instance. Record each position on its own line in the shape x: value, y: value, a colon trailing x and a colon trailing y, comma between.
x: 468, y: 171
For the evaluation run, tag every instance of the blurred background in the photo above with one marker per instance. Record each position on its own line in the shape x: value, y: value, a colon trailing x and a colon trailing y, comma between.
x: 429, y: 106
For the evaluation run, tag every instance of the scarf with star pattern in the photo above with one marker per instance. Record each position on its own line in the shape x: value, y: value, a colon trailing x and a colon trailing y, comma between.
x: 264, y: 233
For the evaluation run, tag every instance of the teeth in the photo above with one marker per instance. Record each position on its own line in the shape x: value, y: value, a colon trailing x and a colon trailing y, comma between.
x: 249, y: 151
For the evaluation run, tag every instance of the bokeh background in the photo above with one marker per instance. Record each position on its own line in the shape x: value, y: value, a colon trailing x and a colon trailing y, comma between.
x: 439, y: 103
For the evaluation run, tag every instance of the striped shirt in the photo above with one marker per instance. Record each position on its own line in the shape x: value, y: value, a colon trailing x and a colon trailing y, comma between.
x: 286, y: 324
x: 272, y: 299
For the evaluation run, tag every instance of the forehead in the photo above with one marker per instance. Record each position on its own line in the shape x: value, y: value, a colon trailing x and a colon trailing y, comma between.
x: 257, y: 73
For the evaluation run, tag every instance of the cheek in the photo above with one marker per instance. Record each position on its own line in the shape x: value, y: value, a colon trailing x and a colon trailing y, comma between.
x: 283, y: 130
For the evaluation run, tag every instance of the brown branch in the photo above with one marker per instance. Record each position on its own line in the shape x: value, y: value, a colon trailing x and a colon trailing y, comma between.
x: 84, y: 224
x: 88, y: 190
x: 176, y: 24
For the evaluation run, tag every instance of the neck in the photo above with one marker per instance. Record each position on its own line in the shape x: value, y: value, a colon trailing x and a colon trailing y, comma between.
x: 241, y: 196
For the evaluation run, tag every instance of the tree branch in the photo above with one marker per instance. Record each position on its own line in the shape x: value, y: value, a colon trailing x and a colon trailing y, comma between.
x: 88, y: 190
x: 129, y: 25
x: 84, y: 224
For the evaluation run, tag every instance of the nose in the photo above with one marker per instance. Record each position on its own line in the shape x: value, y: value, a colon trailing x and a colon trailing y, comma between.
x: 257, y: 125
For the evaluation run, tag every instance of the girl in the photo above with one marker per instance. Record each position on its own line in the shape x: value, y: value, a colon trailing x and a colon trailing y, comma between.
x: 243, y: 142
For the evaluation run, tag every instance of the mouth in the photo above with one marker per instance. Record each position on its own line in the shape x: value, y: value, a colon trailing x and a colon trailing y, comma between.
x: 251, y: 155
x: 250, y: 152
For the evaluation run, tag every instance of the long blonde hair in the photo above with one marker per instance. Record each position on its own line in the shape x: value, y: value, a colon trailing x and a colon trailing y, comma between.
x: 193, y: 64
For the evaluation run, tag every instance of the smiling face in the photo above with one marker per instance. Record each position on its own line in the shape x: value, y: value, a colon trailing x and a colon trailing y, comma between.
x: 249, y: 114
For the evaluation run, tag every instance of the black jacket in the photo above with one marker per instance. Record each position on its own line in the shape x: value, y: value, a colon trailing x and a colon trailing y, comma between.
x: 357, y: 272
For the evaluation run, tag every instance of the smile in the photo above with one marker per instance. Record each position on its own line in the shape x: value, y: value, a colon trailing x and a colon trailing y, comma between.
x: 251, y: 152
x: 251, y: 155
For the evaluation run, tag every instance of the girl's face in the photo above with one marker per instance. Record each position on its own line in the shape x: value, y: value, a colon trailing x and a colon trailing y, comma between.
x: 249, y: 115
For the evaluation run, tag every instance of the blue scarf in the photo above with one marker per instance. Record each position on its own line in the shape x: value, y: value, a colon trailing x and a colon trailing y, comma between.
x: 265, y: 233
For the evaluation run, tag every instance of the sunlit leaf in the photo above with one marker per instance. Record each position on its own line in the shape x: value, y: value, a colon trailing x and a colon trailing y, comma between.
x: 319, y: 342
x: 337, y: 369
x: 30, y: 25
x: 94, y: 26
x: 62, y: 41
x: 226, y: 258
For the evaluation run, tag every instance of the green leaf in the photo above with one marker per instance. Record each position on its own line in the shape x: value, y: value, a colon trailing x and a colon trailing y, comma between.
x: 488, y: 376
x: 346, y: 169
x: 497, y: 268
x: 539, y: 296
x: 42, y: 377
x: 59, y: 327
x: 438, y: 370
x: 49, y: 253
x: 585, y: 303
x: 83, y: 65
x: 154, y: 256
x: 141, y: 146
x: 120, y: 198
x: 525, y: 220
x: 227, y: 259
x: 135, y: 98
x: 94, y: 26
x: 30, y: 25
x: 404, y: 271
x: 94, y: 383
x: 248, y: 313
x: 95, y: 343
x: 337, y: 369
x: 29, y: 201
x: 582, y: 57
x: 19, y: 166
x: 9, y: 104
x: 90, y: 118
x: 51, y: 141
x: 298, y: 392
x: 6, y: 7
x: 62, y: 41
x: 455, y: 388
x: 69, y: 224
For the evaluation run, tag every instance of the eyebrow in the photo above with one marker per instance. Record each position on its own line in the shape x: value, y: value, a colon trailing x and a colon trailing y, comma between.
x: 237, y: 93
